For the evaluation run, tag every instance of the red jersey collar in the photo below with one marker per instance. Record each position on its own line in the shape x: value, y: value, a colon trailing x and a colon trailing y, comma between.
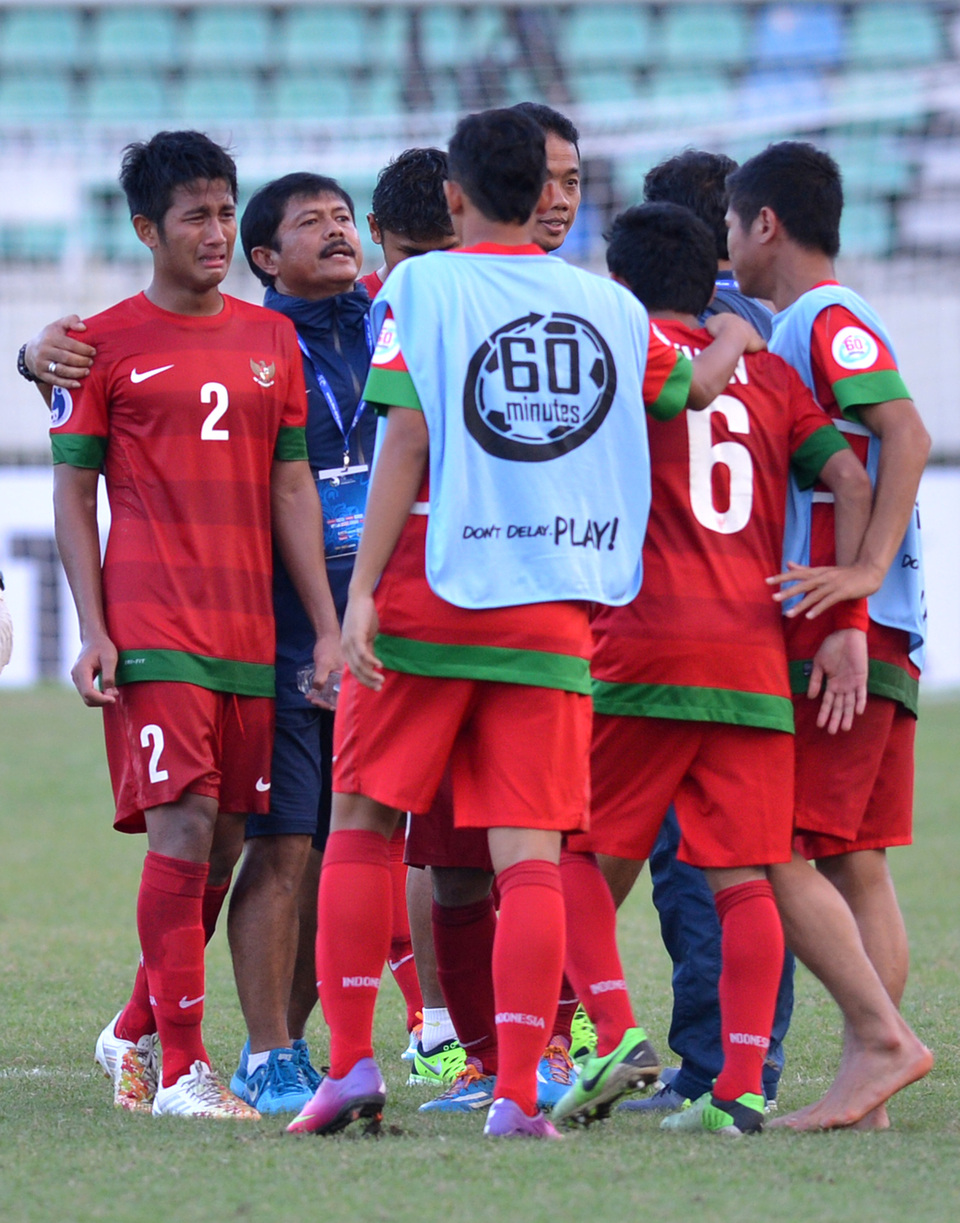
x: 497, y: 248
x: 821, y: 283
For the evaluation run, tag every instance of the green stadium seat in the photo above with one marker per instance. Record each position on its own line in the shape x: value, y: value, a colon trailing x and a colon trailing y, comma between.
x: 520, y: 85
x: 866, y: 229
x: 904, y: 33
x: 690, y: 96
x: 41, y: 37
x: 380, y: 93
x: 226, y: 37
x: 392, y: 36
x: 613, y: 85
x: 28, y: 99
x: 209, y: 97
x: 143, y: 36
x: 445, y: 40
x: 34, y: 241
x: 308, y: 36
x: 692, y: 34
x: 121, y: 99
x: 311, y: 96
x: 602, y: 34
x: 902, y: 92
x: 872, y: 164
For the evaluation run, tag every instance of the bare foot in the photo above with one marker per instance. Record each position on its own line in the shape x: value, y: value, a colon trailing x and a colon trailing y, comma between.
x: 876, y: 1119
x: 867, y: 1078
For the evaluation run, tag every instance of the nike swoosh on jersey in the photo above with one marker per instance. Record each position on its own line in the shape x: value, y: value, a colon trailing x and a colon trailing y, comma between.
x: 262, y: 786
x: 150, y: 373
x: 185, y: 1003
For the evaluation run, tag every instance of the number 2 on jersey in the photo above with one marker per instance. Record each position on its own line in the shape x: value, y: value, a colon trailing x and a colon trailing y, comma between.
x: 152, y: 734
x: 705, y: 454
x: 215, y: 393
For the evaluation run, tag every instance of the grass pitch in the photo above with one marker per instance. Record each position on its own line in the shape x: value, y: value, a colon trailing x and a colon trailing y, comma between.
x: 67, y: 952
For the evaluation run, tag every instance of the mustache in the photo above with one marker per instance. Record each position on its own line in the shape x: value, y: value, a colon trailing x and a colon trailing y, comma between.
x: 337, y: 247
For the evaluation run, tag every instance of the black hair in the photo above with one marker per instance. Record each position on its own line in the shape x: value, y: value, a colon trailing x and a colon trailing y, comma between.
x: 408, y: 198
x: 264, y: 213
x: 801, y: 184
x: 698, y: 181
x: 550, y: 122
x: 499, y: 158
x: 152, y: 169
x: 664, y: 254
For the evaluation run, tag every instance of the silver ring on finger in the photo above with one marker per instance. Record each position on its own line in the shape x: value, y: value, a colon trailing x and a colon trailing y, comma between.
x: 52, y: 367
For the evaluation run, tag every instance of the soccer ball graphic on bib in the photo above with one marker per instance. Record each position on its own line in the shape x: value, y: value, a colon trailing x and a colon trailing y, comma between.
x: 539, y: 387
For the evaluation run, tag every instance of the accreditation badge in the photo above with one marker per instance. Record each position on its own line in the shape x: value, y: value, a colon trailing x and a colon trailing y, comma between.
x: 343, y: 500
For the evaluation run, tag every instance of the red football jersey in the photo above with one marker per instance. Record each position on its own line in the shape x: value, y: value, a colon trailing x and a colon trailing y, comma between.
x: 703, y: 639
x: 185, y: 415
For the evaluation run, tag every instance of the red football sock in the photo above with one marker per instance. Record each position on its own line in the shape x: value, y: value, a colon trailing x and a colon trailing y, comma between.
x: 527, y: 967
x: 752, y: 944
x: 136, y: 1018
x: 169, y: 921
x: 213, y: 898
x: 463, y: 940
x: 354, y: 912
x: 402, y: 964
x: 567, y: 1005
x: 593, y: 960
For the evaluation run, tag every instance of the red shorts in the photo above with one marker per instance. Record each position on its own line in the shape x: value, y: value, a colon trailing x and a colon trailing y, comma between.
x: 519, y: 755
x: 732, y: 787
x: 854, y: 790
x: 433, y: 840
x: 164, y: 739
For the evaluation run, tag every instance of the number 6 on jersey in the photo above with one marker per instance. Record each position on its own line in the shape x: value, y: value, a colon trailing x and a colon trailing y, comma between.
x: 705, y: 454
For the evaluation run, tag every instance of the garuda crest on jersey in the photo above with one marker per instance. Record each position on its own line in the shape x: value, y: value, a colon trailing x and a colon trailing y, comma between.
x: 263, y: 374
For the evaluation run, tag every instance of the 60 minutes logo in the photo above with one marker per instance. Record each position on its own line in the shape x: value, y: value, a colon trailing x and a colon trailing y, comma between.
x: 539, y: 387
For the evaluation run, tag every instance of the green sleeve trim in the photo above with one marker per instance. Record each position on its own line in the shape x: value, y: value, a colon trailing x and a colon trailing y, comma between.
x: 217, y: 674
x: 865, y: 390
x: 388, y: 388
x: 810, y: 459
x: 291, y: 444
x: 676, y: 391
x: 883, y: 679
x: 79, y: 449
x: 535, y: 668
x: 692, y: 704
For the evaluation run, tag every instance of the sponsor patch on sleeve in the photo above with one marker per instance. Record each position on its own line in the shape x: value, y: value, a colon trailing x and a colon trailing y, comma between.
x: 388, y: 345
x: 854, y: 349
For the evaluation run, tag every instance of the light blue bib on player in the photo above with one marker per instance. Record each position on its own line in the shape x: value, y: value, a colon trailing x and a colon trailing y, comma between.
x: 901, y: 601
x: 530, y: 375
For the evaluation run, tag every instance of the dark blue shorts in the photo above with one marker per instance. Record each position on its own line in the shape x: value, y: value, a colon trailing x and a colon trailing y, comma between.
x: 300, y: 775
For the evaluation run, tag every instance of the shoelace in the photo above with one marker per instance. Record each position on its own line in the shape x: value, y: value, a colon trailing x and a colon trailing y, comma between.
x: 558, y: 1059
x: 205, y: 1086
x: 287, y: 1074
x: 469, y: 1074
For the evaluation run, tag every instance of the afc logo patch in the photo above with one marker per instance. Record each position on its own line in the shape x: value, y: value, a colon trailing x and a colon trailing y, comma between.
x: 61, y: 407
x: 539, y: 387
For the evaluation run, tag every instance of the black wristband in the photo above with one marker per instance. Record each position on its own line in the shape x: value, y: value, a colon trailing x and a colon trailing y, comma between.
x: 22, y: 369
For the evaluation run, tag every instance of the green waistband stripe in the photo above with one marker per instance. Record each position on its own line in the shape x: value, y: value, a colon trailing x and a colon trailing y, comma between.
x: 691, y: 704
x: 536, y: 668
x: 179, y: 667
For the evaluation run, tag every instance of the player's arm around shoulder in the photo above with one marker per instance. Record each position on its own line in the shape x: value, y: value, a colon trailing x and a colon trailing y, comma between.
x: 396, y: 480
x: 55, y: 357
x: 78, y: 540
x: 714, y: 367
x: 298, y: 530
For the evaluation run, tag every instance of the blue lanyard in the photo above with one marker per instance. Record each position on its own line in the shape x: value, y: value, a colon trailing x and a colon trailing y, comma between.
x: 727, y: 282
x: 326, y: 390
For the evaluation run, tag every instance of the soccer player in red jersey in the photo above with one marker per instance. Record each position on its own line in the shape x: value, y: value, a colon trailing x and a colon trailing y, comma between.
x: 854, y: 795
x: 409, y: 215
x: 690, y: 686
x: 452, y: 676
x: 195, y: 410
